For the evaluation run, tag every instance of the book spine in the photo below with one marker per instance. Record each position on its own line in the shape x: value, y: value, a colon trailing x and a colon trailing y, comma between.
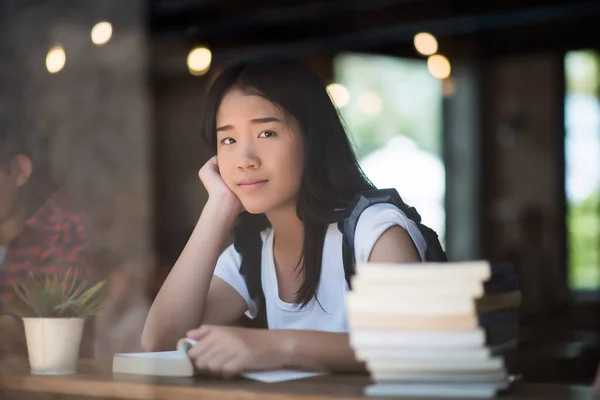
x: 502, y: 268
x: 507, y: 316
x: 498, y: 301
x: 501, y: 284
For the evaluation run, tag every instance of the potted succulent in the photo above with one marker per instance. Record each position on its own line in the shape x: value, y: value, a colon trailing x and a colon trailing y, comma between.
x: 53, y: 310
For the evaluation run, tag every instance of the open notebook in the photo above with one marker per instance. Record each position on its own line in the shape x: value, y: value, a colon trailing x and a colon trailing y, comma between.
x: 177, y: 363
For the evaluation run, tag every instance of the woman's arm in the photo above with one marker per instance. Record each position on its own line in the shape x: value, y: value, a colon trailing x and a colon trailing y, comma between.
x: 190, y: 296
x: 394, y: 246
x: 181, y: 302
x: 318, y: 351
x: 227, y: 351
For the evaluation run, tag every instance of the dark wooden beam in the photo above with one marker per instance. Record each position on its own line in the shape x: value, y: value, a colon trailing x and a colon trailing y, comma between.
x: 463, y: 25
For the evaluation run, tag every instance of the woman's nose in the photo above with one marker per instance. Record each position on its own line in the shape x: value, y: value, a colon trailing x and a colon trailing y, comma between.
x: 248, y: 158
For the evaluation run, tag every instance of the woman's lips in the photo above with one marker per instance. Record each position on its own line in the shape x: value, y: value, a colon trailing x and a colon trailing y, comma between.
x: 252, y: 185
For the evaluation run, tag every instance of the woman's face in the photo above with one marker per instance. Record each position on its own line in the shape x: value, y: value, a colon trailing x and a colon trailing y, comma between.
x: 259, y: 152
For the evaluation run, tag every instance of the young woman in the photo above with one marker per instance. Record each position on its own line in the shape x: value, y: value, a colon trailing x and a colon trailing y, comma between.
x: 282, y: 169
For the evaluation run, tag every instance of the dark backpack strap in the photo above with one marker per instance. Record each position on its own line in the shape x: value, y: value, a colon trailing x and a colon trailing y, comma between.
x: 362, y: 201
x: 248, y: 243
x: 347, y: 226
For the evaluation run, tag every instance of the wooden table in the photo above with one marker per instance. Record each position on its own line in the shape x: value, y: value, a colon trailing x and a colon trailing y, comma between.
x: 17, y: 383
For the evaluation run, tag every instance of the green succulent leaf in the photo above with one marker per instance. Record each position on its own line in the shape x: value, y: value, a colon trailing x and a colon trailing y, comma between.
x: 50, y: 296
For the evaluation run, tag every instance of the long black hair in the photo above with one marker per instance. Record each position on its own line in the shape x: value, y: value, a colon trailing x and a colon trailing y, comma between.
x: 331, y: 176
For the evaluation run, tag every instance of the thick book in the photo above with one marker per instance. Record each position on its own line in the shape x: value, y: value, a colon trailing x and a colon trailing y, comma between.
x: 498, y: 301
x: 507, y: 316
x: 468, y: 271
x: 459, y: 390
x: 409, y: 305
x: 437, y: 376
x: 396, y: 365
x: 501, y: 284
x: 387, y: 321
x: 435, y: 287
x: 471, y: 289
x: 376, y: 339
x: 450, y: 354
x: 177, y: 363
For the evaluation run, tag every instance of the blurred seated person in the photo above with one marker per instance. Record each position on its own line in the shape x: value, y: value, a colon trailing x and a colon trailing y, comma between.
x: 39, y: 230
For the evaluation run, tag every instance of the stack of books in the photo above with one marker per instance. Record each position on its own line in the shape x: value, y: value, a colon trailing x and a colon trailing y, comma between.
x: 431, y: 329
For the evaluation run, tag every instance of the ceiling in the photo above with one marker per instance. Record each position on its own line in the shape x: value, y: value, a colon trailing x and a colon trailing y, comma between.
x: 234, y: 28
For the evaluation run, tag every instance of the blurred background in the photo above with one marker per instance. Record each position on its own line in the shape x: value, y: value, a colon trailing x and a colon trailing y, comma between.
x: 485, y: 115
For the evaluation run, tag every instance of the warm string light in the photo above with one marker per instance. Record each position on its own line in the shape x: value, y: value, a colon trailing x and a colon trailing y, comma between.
x: 439, y: 66
x: 101, y: 33
x: 426, y: 43
x: 55, y: 59
x: 198, y: 60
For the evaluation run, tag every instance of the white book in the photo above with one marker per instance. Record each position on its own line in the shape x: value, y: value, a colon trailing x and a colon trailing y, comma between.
x: 364, y: 285
x: 408, y: 305
x: 437, y: 376
x: 450, y: 272
x: 376, y: 339
x: 475, y: 353
x: 382, y: 365
x: 452, y: 390
x: 387, y: 321
x: 160, y: 363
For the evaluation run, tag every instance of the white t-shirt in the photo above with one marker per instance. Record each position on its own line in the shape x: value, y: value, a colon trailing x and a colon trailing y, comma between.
x: 329, y: 313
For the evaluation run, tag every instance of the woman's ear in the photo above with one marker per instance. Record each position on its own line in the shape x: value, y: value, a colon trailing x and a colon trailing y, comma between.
x: 22, y: 169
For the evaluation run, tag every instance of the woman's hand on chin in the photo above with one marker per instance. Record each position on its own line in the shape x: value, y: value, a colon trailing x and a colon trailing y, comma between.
x: 217, y: 189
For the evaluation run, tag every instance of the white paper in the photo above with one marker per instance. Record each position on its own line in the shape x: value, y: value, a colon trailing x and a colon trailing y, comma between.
x: 279, y: 376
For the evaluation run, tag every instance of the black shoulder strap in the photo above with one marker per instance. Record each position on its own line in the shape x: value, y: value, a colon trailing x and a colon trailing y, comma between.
x: 248, y: 243
x: 347, y: 225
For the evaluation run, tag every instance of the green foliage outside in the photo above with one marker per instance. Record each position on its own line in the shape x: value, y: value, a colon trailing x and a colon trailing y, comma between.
x: 392, y: 97
x: 584, y: 243
x: 583, y: 218
x: 410, y: 100
x: 583, y: 72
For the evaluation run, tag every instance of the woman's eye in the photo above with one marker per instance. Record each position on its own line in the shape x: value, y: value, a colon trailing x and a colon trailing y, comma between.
x: 266, y: 134
x: 227, y: 140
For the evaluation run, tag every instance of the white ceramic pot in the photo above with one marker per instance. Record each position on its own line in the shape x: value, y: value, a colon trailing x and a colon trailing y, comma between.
x: 53, y: 344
